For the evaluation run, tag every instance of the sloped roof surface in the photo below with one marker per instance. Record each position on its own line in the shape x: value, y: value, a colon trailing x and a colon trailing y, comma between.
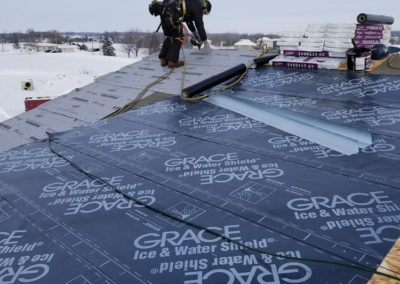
x: 215, y: 169
x: 111, y: 92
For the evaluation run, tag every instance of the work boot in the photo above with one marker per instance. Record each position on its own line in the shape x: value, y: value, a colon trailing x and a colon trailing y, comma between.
x: 172, y: 64
x: 163, y: 62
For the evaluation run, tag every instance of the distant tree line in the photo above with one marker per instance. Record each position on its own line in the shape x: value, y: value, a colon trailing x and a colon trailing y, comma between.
x: 132, y: 41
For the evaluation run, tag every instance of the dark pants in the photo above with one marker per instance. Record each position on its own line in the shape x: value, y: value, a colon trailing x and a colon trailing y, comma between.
x: 170, y: 49
x: 171, y: 46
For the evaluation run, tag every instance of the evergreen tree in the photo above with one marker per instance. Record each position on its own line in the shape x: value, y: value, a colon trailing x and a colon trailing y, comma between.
x: 107, y: 47
x: 15, y: 41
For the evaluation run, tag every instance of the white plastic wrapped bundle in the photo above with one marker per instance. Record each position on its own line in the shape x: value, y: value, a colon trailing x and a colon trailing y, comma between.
x: 335, y: 49
x: 338, y: 40
x: 314, y: 44
x: 314, y: 35
x: 338, y: 44
x: 339, y: 35
x: 311, y: 48
x: 288, y: 42
x: 347, y: 26
x: 288, y: 34
x: 316, y: 28
x: 311, y: 41
x: 289, y: 48
x: 337, y: 54
x: 307, y: 62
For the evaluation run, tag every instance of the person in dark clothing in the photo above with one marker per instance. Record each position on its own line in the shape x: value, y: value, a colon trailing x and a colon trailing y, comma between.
x: 176, y: 12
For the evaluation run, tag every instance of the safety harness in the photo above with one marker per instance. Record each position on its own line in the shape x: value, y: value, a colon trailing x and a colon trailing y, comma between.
x: 182, y: 7
x: 176, y: 13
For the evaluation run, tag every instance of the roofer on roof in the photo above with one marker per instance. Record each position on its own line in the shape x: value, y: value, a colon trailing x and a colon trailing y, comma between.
x: 173, y: 13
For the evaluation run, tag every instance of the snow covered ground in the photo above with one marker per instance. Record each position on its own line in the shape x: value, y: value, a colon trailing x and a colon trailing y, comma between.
x: 53, y: 74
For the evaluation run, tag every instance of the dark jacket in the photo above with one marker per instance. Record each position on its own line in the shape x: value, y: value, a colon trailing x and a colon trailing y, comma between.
x: 194, y: 17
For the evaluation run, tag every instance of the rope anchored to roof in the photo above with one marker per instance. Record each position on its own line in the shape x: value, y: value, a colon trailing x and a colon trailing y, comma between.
x: 189, y: 93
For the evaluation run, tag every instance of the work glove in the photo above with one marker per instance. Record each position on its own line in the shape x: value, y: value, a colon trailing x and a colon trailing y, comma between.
x: 206, y: 47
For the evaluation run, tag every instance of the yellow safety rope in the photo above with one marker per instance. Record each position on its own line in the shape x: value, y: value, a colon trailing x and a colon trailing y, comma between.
x: 184, y: 7
x: 131, y: 105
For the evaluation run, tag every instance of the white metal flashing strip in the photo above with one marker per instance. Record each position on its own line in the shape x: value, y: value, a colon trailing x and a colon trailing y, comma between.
x: 364, y: 138
x: 343, y: 139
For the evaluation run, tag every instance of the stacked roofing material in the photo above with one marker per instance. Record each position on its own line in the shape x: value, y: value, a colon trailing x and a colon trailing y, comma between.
x: 321, y: 46
x: 338, y: 39
x: 290, y: 41
x: 325, y: 45
x: 373, y: 30
x: 368, y: 36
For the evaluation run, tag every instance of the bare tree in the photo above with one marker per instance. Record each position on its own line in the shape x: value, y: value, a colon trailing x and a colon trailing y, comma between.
x: 128, y: 42
x: 231, y: 39
x: 133, y: 41
x: 154, y: 42
x: 115, y: 36
x: 31, y: 36
x: 138, y: 44
x: 2, y: 38
x: 55, y: 37
x: 15, y: 40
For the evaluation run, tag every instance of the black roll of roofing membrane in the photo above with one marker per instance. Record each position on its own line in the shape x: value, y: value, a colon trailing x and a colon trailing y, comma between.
x: 264, y: 59
x: 374, y: 19
x: 213, y: 81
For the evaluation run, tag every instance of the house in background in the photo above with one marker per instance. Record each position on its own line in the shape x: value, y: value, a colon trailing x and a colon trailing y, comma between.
x: 265, y: 43
x: 245, y: 44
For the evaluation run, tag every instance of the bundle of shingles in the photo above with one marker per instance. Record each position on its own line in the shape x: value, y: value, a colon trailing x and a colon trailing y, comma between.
x: 370, y: 35
x: 325, y: 45
x: 320, y: 46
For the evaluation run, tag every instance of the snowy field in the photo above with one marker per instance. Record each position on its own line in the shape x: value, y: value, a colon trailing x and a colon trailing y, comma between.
x: 53, y: 74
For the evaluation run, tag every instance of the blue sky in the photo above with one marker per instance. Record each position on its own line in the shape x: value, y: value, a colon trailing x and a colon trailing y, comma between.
x: 227, y: 16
